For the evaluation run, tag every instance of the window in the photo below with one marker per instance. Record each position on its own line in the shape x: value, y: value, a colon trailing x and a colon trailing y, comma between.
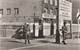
x: 8, y: 11
x: 1, y: 11
x: 16, y: 10
x: 46, y: 20
x: 51, y: 11
x: 51, y: 1
x: 45, y: 1
x: 45, y: 10
x: 55, y: 2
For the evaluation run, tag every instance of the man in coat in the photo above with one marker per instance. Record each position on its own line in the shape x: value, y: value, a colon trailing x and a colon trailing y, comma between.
x: 64, y: 32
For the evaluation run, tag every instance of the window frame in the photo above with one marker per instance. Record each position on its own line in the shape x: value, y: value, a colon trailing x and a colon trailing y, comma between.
x: 51, y: 11
x: 1, y: 11
x: 8, y: 11
x: 46, y: 10
x: 16, y: 10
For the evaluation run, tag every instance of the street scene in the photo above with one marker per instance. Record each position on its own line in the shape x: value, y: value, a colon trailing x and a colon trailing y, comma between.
x: 39, y: 24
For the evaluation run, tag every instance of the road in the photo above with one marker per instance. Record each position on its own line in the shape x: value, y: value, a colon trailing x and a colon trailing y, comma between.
x: 53, y: 47
x: 38, y: 44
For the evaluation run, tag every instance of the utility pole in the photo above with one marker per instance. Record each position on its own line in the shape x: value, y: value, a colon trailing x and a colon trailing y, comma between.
x: 57, y: 30
x: 71, y: 34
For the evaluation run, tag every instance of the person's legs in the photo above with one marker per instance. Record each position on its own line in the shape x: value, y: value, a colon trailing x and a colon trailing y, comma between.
x: 63, y: 39
x: 25, y: 39
x: 28, y: 38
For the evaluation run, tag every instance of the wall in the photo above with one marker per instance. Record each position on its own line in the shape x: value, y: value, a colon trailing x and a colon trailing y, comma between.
x: 26, y: 10
x: 46, y: 30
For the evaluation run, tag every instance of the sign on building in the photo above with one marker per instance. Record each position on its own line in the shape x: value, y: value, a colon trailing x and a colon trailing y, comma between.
x: 48, y: 16
x: 65, y: 10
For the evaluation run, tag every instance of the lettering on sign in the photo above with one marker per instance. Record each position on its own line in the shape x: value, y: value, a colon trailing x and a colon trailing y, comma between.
x: 49, y: 16
x: 65, y: 10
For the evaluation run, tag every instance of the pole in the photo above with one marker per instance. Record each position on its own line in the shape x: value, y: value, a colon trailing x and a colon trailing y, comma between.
x: 52, y: 28
x: 57, y: 30
x: 34, y: 26
x: 78, y: 31
x: 71, y: 34
x: 78, y: 27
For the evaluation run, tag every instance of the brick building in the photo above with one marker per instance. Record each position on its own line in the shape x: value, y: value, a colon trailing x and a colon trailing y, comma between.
x: 24, y: 10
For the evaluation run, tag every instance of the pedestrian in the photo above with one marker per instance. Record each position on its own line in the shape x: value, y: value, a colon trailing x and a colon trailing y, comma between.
x: 64, y: 32
x: 26, y: 32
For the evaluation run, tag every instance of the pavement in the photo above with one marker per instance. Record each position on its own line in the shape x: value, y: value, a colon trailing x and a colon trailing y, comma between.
x: 38, y: 44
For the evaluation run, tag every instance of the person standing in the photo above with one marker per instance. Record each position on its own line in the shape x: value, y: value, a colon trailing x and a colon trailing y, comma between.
x: 26, y: 32
x: 64, y: 32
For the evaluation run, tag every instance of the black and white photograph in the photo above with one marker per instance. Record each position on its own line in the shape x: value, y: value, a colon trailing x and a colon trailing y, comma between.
x: 39, y: 24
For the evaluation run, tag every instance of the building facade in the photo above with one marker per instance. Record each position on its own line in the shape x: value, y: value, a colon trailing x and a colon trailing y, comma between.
x: 29, y: 11
x: 20, y: 11
x: 24, y: 10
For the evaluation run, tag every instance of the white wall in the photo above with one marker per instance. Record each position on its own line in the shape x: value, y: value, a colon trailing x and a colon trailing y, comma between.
x: 46, y: 29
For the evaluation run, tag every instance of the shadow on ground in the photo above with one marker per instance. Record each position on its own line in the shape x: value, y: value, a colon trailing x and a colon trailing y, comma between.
x: 16, y: 42
x: 44, y: 41
x: 13, y: 40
